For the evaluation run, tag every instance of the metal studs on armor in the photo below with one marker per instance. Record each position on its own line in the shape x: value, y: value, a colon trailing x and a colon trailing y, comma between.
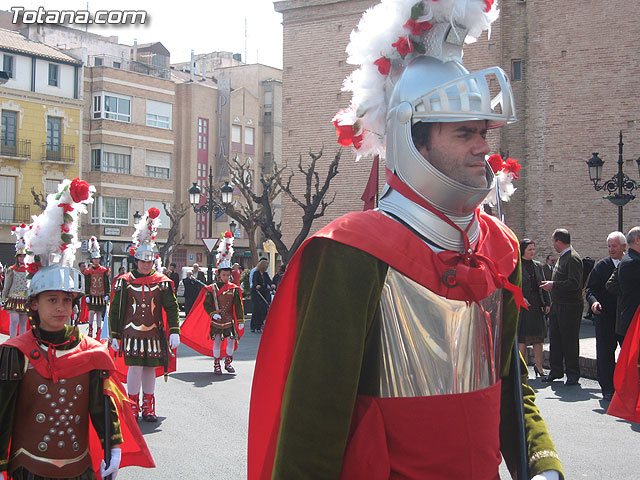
x: 70, y: 404
x: 63, y: 418
x: 75, y: 446
x: 42, y: 389
x: 62, y: 391
x: 75, y: 397
x: 69, y: 431
x: 79, y: 389
x: 41, y: 417
x: 66, y: 424
x: 73, y: 437
x: 52, y: 431
x: 57, y: 411
x: 60, y: 444
x: 42, y: 446
x: 61, y: 433
x: 66, y: 410
x: 57, y: 424
x: 46, y: 438
x: 77, y: 419
x: 47, y: 396
x: 63, y: 381
x: 62, y: 400
x: 53, y: 404
x: 51, y: 419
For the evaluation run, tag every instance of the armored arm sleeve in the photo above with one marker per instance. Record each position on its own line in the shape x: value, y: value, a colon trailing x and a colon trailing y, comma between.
x: 338, y: 294
x: 170, y: 305
x: 117, y: 310
x: 96, y: 410
x: 541, y: 452
x: 11, y: 372
x: 238, y: 306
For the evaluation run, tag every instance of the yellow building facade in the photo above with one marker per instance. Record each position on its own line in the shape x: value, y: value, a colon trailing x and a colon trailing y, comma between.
x: 41, y: 124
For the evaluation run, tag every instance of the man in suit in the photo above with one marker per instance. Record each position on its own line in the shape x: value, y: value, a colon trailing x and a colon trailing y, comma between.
x: 629, y: 283
x: 566, y: 310
x: 603, y: 305
x: 547, y: 268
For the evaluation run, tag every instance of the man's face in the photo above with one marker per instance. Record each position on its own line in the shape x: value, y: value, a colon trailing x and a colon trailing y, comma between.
x: 196, y: 267
x: 558, y: 245
x: 95, y: 261
x: 551, y: 260
x: 615, y: 248
x: 458, y: 150
x: 145, y: 267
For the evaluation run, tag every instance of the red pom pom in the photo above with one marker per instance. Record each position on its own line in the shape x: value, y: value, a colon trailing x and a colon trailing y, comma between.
x: 79, y: 190
x: 383, y: 64
x: 132, y: 251
x: 153, y: 212
x: 22, y: 225
x: 13, y: 228
x: 495, y: 161
x: 228, y: 234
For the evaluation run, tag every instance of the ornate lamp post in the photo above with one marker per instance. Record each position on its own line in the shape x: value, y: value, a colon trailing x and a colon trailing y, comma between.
x: 210, y: 206
x: 619, y: 187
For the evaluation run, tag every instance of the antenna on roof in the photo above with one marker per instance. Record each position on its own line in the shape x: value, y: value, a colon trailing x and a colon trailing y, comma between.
x: 246, y: 36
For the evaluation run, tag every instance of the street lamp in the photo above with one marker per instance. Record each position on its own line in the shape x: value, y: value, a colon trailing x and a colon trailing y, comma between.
x: 616, y: 184
x: 232, y: 226
x: 210, y: 206
x: 136, y: 217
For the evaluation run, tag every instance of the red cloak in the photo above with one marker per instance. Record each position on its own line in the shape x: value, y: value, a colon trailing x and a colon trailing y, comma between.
x: 194, y: 331
x: 451, y: 275
x: 626, y: 399
x: 92, y: 355
x: 5, y: 321
x: 118, y: 357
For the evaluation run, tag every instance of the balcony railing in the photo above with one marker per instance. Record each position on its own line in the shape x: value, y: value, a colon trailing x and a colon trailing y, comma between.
x: 22, y: 148
x: 12, y: 213
x: 58, y: 153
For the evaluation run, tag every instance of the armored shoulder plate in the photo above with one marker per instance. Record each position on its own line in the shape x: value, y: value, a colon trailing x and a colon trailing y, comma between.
x: 12, y: 363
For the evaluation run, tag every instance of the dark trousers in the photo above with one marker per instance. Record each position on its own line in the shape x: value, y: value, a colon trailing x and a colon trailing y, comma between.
x: 564, y: 340
x: 606, y: 343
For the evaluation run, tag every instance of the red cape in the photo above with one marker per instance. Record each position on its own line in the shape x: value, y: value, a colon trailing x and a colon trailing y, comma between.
x: 626, y: 400
x: 194, y: 331
x: 121, y: 367
x: 4, y: 321
x: 394, y: 244
x: 93, y: 356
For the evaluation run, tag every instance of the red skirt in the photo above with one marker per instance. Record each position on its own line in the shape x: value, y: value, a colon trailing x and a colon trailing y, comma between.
x: 437, y: 437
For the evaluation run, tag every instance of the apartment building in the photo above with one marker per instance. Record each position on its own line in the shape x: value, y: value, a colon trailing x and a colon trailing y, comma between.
x: 40, y: 104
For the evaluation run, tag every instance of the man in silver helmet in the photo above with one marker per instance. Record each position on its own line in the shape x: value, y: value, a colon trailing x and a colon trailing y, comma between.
x: 388, y: 349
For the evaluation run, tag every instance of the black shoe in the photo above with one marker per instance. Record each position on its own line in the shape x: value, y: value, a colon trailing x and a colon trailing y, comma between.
x: 571, y: 381
x: 549, y: 378
x: 607, y: 396
x: 538, y: 372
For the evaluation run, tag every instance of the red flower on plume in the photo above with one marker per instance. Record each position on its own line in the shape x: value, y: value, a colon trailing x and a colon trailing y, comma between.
x: 496, y: 163
x: 228, y: 234
x: 132, y: 251
x: 346, y: 135
x: 153, y: 237
x: 23, y: 225
x: 487, y: 5
x: 32, y: 268
x: 416, y: 28
x: 403, y: 45
x: 511, y: 165
x: 63, y: 247
x: 383, y: 64
x: 13, y: 228
x: 65, y: 228
x: 79, y: 190
x: 157, y: 255
x: 153, y: 212
x: 66, y: 207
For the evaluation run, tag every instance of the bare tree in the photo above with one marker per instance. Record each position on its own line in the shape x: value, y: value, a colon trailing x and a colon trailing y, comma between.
x: 39, y: 199
x: 312, y: 202
x: 175, y: 212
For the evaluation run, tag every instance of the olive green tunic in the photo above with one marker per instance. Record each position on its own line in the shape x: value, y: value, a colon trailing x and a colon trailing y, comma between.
x: 338, y: 337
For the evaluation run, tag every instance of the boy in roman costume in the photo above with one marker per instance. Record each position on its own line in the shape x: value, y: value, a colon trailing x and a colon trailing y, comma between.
x: 14, y: 292
x: 97, y: 287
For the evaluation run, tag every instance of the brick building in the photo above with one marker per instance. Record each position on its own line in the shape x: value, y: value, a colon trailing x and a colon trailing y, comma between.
x: 575, y: 78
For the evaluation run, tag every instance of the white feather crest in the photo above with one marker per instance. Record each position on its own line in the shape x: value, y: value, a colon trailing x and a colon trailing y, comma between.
x: 19, y: 232
x: 225, y: 250
x: 94, y: 247
x: 56, y: 227
x: 146, y: 229
x: 379, y: 28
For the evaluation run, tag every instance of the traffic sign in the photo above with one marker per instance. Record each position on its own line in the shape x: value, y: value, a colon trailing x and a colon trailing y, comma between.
x: 211, y: 244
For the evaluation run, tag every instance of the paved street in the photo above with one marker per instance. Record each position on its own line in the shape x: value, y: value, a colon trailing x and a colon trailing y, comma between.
x: 202, y: 431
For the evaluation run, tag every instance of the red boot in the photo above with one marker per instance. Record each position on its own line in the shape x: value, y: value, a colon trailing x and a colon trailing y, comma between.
x: 227, y: 364
x: 216, y: 367
x: 135, y: 406
x: 91, y: 329
x: 149, y: 407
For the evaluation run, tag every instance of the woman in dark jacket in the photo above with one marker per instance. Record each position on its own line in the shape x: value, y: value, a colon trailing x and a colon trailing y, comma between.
x: 532, y: 327
x: 261, y: 288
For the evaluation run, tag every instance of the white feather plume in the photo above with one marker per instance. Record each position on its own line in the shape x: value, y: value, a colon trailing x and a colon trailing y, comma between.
x: 146, y: 230
x: 19, y: 232
x: 225, y: 251
x: 46, y: 239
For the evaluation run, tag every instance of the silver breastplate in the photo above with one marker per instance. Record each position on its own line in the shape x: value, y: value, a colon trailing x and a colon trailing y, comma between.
x: 432, y: 345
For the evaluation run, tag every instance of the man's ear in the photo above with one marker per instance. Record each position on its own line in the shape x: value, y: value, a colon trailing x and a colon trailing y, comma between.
x: 33, y: 304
